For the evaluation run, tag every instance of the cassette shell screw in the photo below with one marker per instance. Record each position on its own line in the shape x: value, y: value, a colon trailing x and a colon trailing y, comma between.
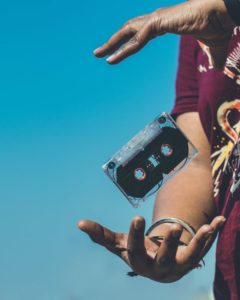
x: 111, y: 165
x: 162, y: 120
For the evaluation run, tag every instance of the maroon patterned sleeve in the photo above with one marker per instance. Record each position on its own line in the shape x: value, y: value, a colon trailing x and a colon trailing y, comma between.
x: 186, y: 82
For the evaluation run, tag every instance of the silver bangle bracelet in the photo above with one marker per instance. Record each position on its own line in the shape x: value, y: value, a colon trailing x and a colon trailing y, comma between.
x: 186, y: 226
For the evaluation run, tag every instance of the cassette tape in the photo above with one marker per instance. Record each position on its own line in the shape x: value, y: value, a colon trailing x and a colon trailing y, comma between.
x: 150, y: 159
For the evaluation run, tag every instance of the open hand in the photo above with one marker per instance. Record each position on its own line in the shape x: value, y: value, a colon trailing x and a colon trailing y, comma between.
x: 162, y: 261
x: 206, y: 20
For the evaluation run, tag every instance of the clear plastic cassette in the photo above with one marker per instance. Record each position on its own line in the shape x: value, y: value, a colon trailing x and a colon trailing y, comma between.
x: 150, y: 159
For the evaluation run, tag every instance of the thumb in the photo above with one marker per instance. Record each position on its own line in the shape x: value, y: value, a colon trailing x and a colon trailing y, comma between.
x: 216, y: 225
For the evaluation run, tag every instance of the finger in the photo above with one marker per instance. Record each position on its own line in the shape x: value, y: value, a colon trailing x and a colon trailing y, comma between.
x: 137, y: 42
x: 196, y: 245
x: 167, y: 252
x: 216, y: 224
x: 137, y: 255
x: 115, y: 42
x: 204, y: 236
x: 99, y: 234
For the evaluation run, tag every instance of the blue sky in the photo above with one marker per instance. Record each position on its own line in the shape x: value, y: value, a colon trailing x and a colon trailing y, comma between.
x: 63, y: 114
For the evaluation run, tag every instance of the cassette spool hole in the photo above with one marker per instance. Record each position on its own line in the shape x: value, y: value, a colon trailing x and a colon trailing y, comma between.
x: 140, y: 174
x: 166, y: 149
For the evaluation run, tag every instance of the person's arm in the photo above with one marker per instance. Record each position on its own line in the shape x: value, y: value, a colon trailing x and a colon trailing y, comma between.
x: 184, y: 197
x: 208, y: 21
x: 189, y: 195
x: 166, y: 260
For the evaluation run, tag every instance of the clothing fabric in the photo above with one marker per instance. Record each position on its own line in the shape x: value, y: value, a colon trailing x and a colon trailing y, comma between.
x: 215, y: 95
x: 233, y: 7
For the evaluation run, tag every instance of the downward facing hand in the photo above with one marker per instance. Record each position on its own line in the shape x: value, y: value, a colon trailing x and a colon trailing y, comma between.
x: 206, y: 20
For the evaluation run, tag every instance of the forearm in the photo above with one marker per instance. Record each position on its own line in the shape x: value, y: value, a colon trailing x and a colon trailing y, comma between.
x: 189, y: 195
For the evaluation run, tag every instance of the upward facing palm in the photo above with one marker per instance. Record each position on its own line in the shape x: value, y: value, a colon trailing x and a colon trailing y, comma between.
x: 163, y: 261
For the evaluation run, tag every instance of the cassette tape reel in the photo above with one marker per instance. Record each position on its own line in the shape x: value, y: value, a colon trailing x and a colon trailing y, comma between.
x: 150, y: 159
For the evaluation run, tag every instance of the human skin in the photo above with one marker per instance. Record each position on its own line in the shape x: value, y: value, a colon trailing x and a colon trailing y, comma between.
x: 208, y: 21
x: 185, y: 196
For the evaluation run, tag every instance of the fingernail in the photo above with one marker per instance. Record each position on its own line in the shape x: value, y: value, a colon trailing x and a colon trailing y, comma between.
x: 111, y: 58
x: 207, y: 234
x: 137, y: 225
x: 81, y: 226
x: 96, y: 50
x: 222, y: 222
